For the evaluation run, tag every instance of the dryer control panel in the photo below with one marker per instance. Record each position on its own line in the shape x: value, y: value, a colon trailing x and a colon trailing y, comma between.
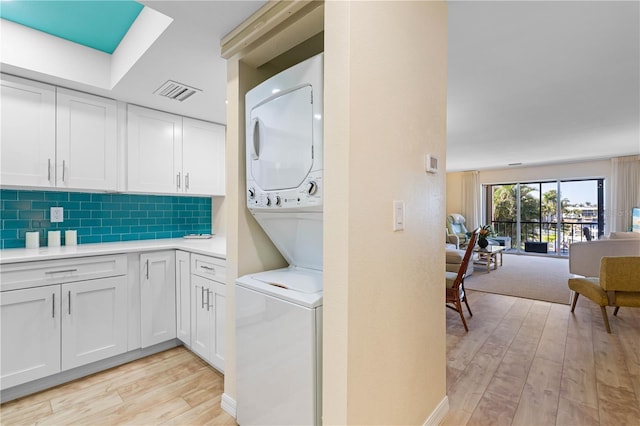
x: 306, y: 197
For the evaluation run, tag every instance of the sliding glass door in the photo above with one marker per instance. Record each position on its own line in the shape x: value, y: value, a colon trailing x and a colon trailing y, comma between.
x: 545, y: 217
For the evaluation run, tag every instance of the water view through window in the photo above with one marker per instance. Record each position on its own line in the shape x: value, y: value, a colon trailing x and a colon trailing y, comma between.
x: 545, y: 217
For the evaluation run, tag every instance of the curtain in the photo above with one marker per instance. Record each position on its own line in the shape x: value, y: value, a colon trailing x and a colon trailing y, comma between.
x: 625, y: 191
x: 471, y: 199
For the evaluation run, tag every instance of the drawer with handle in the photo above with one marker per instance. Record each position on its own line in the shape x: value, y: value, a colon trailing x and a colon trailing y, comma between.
x: 208, y: 267
x: 45, y: 272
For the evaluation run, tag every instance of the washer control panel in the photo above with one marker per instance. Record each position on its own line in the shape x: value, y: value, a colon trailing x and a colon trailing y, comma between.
x: 306, y: 196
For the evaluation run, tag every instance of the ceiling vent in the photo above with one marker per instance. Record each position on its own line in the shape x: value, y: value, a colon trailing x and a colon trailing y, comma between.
x: 174, y: 90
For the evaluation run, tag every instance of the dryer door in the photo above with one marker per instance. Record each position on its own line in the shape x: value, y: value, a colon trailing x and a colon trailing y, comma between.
x: 280, y: 143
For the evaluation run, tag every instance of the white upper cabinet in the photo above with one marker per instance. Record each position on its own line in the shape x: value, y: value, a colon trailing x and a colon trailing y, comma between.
x: 154, y: 151
x: 57, y: 138
x: 203, y: 154
x: 86, y: 141
x: 169, y: 154
x: 28, y: 139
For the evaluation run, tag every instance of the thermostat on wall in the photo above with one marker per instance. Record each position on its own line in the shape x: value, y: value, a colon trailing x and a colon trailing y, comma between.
x: 431, y: 163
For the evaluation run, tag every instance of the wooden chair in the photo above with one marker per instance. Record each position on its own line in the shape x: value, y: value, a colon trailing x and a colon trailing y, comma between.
x: 455, y: 294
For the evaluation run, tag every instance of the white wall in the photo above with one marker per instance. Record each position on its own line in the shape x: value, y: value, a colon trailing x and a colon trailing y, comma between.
x: 385, y: 107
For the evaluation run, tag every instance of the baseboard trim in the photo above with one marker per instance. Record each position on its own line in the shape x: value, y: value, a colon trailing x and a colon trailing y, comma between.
x: 228, y: 404
x: 82, y: 371
x: 439, y: 413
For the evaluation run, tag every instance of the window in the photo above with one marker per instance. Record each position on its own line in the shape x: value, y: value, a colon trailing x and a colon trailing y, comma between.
x: 545, y: 217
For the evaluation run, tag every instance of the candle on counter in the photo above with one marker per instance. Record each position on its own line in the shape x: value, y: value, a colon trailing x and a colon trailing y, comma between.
x: 54, y: 238
x: 70, y: 237
x: 33, y: 240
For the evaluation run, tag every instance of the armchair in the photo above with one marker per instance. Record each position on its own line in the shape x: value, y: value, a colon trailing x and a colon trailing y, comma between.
x: 455, y: 225
x: 451, y: 241
x: 618, y: 285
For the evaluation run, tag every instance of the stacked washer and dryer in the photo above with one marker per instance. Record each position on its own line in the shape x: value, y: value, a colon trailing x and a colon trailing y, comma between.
x: 279, y: 312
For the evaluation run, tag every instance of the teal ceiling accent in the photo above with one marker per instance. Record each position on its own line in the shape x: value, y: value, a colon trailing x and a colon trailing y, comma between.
x: 97, y: 24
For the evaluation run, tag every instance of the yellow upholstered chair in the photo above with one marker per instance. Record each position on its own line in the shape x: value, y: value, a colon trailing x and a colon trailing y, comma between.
x: 618, y: 285
x: 454, y: 282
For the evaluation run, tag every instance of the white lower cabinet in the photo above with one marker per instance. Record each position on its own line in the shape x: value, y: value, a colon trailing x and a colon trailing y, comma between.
x: 183, y: 297
x: 57, y: 315
x: 157, y: 297
x: 30, y: 334
x: 94, y: 320
x: 60, y: 326
x: 208, y: 309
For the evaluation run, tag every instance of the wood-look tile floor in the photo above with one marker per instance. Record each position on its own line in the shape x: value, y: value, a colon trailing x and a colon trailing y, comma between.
x: 526, y: 362
x: 523, y: 362
x: 174, y: 387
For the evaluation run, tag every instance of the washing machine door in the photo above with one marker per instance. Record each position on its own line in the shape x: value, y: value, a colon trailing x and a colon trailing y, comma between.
x: 280, y: 143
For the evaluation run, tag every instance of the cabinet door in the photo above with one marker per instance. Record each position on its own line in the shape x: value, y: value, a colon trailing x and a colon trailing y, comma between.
x: 86, y: 141
x: 30, y: 334
x: 183, y: 297
x: 203, y: 151
x: 208, y: 310
x: 94, y: 320
x: 218, y: 305
x: 154, y: 151
x: 157, y: 297
x: 28, y: 116
x: 200, y: 317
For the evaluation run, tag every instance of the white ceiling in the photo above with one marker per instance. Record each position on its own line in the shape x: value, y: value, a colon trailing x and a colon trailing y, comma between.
x: 529, y: 82
x: 187, y: 52
x: 542, y: 82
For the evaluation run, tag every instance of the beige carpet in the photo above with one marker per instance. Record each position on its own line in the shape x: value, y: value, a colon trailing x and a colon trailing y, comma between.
x: 532, y: 277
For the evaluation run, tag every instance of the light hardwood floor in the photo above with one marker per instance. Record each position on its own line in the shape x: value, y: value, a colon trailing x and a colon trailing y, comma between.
x: 523, y: 362
x: 173, y: 387
x: 527, y: 362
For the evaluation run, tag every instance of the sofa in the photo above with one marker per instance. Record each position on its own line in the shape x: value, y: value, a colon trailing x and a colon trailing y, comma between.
x: 585, y: 256
x: 454, y: 260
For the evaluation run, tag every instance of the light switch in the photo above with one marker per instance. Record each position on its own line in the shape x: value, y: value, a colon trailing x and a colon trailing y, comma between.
x: 398, y: 215
x: 57, y: 214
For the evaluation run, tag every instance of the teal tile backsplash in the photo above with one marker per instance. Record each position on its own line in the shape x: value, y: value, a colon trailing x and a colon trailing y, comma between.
x: 100, y: 218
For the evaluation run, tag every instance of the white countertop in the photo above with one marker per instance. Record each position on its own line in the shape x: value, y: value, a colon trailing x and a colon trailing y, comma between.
x: 215, y: 246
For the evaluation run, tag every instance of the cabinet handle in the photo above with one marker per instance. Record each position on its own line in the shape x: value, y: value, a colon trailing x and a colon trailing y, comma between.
x: 69, y: 302
x: 209, y: 305
x: 178, y: 181
x: 49, y: 169
x: 208, y: 268
x: 61, y: 271
x: 53, y: 306
x: 64, y: 164
x: 147, y: 262
x: 202, y: 296
x: 186, y: 181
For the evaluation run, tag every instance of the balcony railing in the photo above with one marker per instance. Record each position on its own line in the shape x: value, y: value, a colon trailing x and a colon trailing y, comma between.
x: 557, y: 236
